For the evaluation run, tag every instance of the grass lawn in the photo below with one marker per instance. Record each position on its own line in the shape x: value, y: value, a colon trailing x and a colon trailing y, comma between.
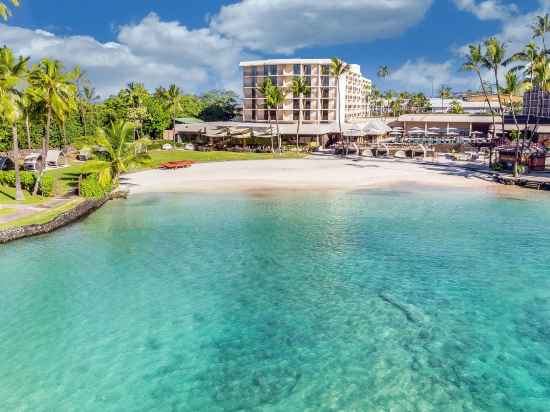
x: 159, y: 156
x: 42, y: 217
x: 7, y: 211
x: 7, y: 197
x: 66, y: 177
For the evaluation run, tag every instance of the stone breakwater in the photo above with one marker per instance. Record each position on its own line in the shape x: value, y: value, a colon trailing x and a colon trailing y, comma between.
x: 81, y: 210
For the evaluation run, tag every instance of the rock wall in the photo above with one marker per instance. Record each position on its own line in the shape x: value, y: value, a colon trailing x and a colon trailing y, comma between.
x: 70, y: 216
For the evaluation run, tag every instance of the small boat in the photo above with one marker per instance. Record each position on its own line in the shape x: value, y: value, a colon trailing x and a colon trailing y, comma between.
x: 181, y: 164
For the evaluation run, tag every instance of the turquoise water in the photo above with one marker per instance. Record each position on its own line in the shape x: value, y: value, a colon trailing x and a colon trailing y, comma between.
x: 409, y: 300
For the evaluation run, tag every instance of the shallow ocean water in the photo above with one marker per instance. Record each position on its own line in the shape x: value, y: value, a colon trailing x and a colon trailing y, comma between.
x: 385, y: 300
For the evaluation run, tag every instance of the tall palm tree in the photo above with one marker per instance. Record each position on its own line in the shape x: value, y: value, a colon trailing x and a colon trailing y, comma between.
x: 383, y: 72
x: 89, y: 98
x: 172, y: 98
x: 265, y: 89
x: 444, y: 93
x: 492, y: 60
x: 120, y: 152
x: 55, y: 91
x: 514, y: 87
x: 474, y: 64
x: 338, y: 69
x: 12, y: 73
x: 28, y: 108
x: 5, y: 11
x: 540, y: 28
x: 389, y: 95
x: 276, y: 98
x: 135, y: 95
x: 299, y: 89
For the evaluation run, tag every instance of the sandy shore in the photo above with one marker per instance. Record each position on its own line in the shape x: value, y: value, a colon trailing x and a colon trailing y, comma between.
x: 315, y: 173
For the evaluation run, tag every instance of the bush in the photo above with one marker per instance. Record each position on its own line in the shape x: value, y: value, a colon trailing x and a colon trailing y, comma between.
x: 28, y: 180
x: 90, y: 187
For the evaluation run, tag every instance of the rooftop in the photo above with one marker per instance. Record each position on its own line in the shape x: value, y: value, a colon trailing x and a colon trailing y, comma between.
x: 284, y: 61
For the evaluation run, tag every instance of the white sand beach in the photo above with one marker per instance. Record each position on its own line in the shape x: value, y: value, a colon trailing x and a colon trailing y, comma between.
x: 313, y: 173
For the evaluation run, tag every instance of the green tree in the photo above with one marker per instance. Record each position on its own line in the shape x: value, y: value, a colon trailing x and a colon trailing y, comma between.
x: 173, y: 104
x: 5, y: 11
x: 338, y: 69
x: 492, y: 60
x: 12, y: 73
x: 299, y: 89
x: 444, y: 93
x: 219, y: 105
x: 276, y: 98
x: 474, y: 63
x: 265, y: 90
x: 514, y: 87
x: 383, y: 72
x: 456, y: 107
x: 118, y: 152
x: 55, y: 91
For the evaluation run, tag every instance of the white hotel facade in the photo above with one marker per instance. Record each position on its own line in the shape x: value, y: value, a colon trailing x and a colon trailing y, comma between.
x: 318, y: 107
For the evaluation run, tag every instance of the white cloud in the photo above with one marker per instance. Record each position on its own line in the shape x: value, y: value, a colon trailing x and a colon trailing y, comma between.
x: 488, y: 9
x: 423, y: 75
x: 151, y: 51
x: 285, y: 26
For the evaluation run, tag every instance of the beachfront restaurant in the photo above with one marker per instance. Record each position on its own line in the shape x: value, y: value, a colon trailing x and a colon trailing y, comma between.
x: 436, y: 128
x: 257, y: 136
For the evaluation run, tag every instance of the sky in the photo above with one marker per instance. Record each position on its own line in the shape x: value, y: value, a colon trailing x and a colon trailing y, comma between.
x: 198, y: 44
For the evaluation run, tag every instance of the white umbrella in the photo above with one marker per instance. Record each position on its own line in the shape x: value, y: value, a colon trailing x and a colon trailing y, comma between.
x: 452, y: 134
x: 476, y: 133
x: 397, y: 128
x: 396, y: 133
x: 435, y: 129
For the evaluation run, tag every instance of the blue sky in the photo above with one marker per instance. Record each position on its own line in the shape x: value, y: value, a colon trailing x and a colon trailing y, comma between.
x: 198, y: 44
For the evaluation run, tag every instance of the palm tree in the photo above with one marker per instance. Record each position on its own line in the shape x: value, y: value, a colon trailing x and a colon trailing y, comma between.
x: 89, y: 97
x: 135, y: 95
x: 474, y: 64
x: 493, y: 58
x: 265, y: 89
x: 12, y: 73
x: 388, y: 100
x: 276, y: 98
x: 514, y: 87
x: 338, y: 69
x: 28, y: 107
x: 5, y: 11
x: 444, y: 93
x: 55, y: 91
x: 172, y: 97
x: 383, y: 72
x: 119, y: 151
x: 299, y: 89
x: 540, y: 28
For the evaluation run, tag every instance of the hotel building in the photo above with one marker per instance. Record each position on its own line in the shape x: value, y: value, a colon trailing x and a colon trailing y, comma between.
x: 320, y: 106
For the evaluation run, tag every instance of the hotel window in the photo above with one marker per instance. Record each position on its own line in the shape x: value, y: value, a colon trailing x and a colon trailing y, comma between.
x: 308, y: 105
x: 253, y: 71
x: 272, y: 70
x: 295, y: 115
x: 325, y: 104
x: 324, y: 115
x: 325, y: 70
x: 325, y: 81
x: 307, y: 69
x: 325, y: 93
x: 307, y: 115
x: 296, y: 104
x: 297, y: 69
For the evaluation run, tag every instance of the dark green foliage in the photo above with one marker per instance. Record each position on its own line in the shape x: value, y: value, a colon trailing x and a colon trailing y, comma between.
x: 91, y: 188
x: 219, y: 105
x: 28, y: 180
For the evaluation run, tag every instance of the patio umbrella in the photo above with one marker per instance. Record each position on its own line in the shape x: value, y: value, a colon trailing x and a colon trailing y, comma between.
x: 434, y: 129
